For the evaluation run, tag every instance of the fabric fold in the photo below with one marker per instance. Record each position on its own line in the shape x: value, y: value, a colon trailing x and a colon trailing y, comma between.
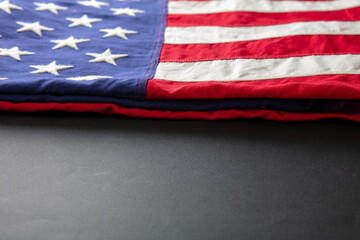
x: 286, y: 60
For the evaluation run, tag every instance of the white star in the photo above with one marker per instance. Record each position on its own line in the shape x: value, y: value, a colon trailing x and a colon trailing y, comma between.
x: 106, y: 57
x: 93, y: 3
x: 50, y: 68
x: 70, y: 42
x: 49, y: 7
x: 35, y: 27
x: 84, y: 20
x: 88, y: 78
x: 127, y: 11
x: 6, y: 6
x: 14, y: 52
x: 120, y: 32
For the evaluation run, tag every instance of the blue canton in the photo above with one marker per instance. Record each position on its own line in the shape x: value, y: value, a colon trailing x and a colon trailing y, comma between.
x: 85, y: 47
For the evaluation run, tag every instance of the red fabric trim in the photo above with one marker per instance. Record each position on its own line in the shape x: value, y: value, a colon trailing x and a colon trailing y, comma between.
x: 105, y: 108
x: 242, y: 19
x: 313, y: 87
x: 265, y: 48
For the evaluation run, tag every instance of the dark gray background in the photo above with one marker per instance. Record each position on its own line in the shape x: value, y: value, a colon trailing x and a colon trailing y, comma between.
x: 90, y: 177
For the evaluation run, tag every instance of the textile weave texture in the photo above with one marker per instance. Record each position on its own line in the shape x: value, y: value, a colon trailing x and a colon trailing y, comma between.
x: 179, y: 59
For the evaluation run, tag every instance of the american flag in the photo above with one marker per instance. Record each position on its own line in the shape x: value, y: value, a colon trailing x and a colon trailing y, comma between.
x: 205, y: 59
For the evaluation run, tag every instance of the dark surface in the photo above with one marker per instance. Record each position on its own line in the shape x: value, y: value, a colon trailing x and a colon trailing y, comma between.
x: 89, y: 177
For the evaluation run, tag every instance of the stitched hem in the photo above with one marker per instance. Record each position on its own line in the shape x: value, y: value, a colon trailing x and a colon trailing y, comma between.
x: 141, y: 94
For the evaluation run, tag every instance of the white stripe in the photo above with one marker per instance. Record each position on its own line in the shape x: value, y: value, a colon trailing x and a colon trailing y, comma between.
x: 188, y: 35
x: 258, y: 69
x: 217, y: 6
x: 88, y: 78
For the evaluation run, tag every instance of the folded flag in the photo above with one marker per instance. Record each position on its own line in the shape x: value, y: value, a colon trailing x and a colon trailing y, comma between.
x: 220, y: 59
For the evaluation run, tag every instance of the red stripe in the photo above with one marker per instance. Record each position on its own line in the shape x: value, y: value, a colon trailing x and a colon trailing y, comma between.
x: 313, y: 87
x: 105, y: 108
x: 246, y: 19
x: 266, y: 48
